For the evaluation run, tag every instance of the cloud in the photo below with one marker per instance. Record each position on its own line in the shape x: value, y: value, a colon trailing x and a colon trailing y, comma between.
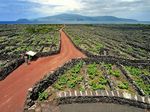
x: 90, y: 7
x: 134, y: 9
x: 50, y: 7
x: 116, y: 6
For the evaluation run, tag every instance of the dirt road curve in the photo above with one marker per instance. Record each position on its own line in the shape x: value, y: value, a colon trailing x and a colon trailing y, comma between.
x: 13, y: 89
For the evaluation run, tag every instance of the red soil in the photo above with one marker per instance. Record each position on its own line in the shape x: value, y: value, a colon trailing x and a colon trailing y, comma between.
x: 13, y: 89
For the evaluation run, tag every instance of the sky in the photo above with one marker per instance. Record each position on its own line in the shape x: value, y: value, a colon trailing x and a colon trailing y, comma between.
x: 11, y: 10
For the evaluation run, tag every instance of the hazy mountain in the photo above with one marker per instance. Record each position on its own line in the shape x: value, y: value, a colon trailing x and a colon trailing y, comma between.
x: 23, y: 20
x: 74, y: 19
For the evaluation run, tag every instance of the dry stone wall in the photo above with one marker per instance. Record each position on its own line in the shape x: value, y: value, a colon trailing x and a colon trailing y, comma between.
x: 10, y: 67
x: 117, y: 97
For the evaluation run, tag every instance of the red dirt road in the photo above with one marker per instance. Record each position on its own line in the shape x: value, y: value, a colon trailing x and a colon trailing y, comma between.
x: 13, y: 89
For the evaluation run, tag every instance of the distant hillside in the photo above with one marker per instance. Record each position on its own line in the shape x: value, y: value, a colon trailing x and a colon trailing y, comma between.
x: 73, y: 19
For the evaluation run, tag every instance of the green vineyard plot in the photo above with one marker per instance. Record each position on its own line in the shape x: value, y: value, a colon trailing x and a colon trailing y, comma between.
x: 141, y: 78
x: 94, y: 76
x: 126, y: 41
x: 15, y: 40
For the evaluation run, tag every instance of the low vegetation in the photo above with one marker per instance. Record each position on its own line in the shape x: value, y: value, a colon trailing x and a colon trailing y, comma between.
x: 43, y: 96
x: 15, y: 40
x: 141, y: 78
x: 93, y: 77
x: 71, y: 79
x: 125, y: 41
x: 123, y: 85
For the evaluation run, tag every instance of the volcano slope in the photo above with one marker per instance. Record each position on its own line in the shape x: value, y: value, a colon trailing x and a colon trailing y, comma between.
x: 13, y: 89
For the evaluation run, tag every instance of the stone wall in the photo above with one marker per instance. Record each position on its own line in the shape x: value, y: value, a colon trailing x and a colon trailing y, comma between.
x: 117, y: 97
x: 114, y: 60
x: 10, y: 67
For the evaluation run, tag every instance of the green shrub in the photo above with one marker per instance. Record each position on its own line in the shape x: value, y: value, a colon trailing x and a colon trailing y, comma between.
x: 108, y: 66
x: 39, y: 29
x: 95, y: 86
x: 71, y: 78
x: 79, y: 78
x: 82, y: 89
x: 115, y: 73
x: 71, y: 84
x: 92, y: 70
x: 102, y: 81
x: 143, y: 86
x: 63, y: 80
x: 129, y: 49
x: 123, y: 85
x: 77, y: 41
x: 98, y: 46
x: 2, y: 65
x: 58, y: 86
x: 147, y: 89
x: 43, y: 96
x: 134, y: 71
x: 77, y: 67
